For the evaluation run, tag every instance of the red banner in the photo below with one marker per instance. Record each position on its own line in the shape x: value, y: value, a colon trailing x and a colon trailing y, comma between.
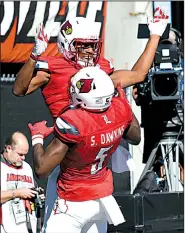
x: 19, y: 21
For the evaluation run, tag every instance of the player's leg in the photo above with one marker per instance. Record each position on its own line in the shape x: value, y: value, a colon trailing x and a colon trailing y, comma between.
x: 95, y: 227
x: 69, y: 217
x: 51, y: 193
x: 63, y: 223
x: 65, y: 218
x: 98, y: 223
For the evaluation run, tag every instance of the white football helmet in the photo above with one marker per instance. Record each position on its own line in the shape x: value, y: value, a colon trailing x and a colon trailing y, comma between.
x: 92, y: 89
x: 74, y: 34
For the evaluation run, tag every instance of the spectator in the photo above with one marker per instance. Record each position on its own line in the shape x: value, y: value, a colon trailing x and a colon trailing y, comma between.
x: 16, y: 187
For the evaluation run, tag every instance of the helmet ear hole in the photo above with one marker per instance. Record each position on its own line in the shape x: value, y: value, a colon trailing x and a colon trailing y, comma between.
x: 94, y: 86
x: 74, y: 43
x: 79, y: 100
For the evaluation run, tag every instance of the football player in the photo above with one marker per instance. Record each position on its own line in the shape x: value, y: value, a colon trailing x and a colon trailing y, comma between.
x: 86, y: 134
x: 80, y: 46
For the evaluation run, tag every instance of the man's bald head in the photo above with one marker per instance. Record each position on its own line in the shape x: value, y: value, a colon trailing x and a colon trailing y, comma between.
x: 19, y: 139
x: 16, y: 148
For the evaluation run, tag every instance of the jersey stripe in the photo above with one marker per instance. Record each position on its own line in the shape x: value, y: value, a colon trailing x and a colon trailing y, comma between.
x: 66, y: 128
x: 62, y: 124
x: 42, y: 65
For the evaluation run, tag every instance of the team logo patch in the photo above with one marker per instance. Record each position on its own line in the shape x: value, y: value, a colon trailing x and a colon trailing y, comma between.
x: 84, y: 85
x: 67, y: 28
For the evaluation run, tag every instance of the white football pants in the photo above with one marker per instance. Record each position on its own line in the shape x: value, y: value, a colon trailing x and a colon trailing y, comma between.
x: 77, y: 217
x: 81, y: 217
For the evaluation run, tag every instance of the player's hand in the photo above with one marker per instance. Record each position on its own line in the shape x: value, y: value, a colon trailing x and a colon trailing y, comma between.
x: 25, y: 193
x: 158, y: 25
x: 39, y: 131
x: 41, y: 42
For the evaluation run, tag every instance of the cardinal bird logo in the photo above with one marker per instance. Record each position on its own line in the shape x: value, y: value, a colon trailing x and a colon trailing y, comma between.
x: 67, y: 28
x: 84, y: 85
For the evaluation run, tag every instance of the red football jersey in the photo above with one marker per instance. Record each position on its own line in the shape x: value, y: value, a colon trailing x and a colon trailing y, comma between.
x: 92, y: 138
x: 56, y: 93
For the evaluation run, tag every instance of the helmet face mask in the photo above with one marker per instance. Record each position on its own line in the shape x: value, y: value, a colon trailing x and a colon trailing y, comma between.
x: 79, y: 42
x: 87, y: 52
x: 88, y: 89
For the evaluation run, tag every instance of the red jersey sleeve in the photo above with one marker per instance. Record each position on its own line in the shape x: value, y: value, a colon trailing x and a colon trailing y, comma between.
x: 66, y: 130
x: 106, y: 65
x: 123, y: 106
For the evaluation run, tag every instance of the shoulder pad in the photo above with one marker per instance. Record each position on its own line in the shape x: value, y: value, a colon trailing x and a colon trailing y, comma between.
x: 65, y: 127
x: 106, y: 65
x: 111, y: 65
x: 123, y: 106
x: 65, y: 131
x: 68, y: 107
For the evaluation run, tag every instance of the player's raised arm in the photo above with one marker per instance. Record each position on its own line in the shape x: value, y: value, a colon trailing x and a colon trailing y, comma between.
x: 26, y: 73
x: 143, y: 64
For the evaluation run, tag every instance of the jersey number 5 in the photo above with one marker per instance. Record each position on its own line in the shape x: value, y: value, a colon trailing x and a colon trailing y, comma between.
x: 101, y: 158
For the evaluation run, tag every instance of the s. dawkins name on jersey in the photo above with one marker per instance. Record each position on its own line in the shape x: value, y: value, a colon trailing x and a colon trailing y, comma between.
x: 92, y: 138
x: 56, y: 91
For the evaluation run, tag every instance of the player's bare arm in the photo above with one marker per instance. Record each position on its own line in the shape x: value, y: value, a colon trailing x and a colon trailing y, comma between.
x: 41, y: 78
x: 46, y: 161
x: 23, y: 78
x: 26, y: 81
x: 142, y: 66
x: 139, y: 71
x: 133, y: 133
